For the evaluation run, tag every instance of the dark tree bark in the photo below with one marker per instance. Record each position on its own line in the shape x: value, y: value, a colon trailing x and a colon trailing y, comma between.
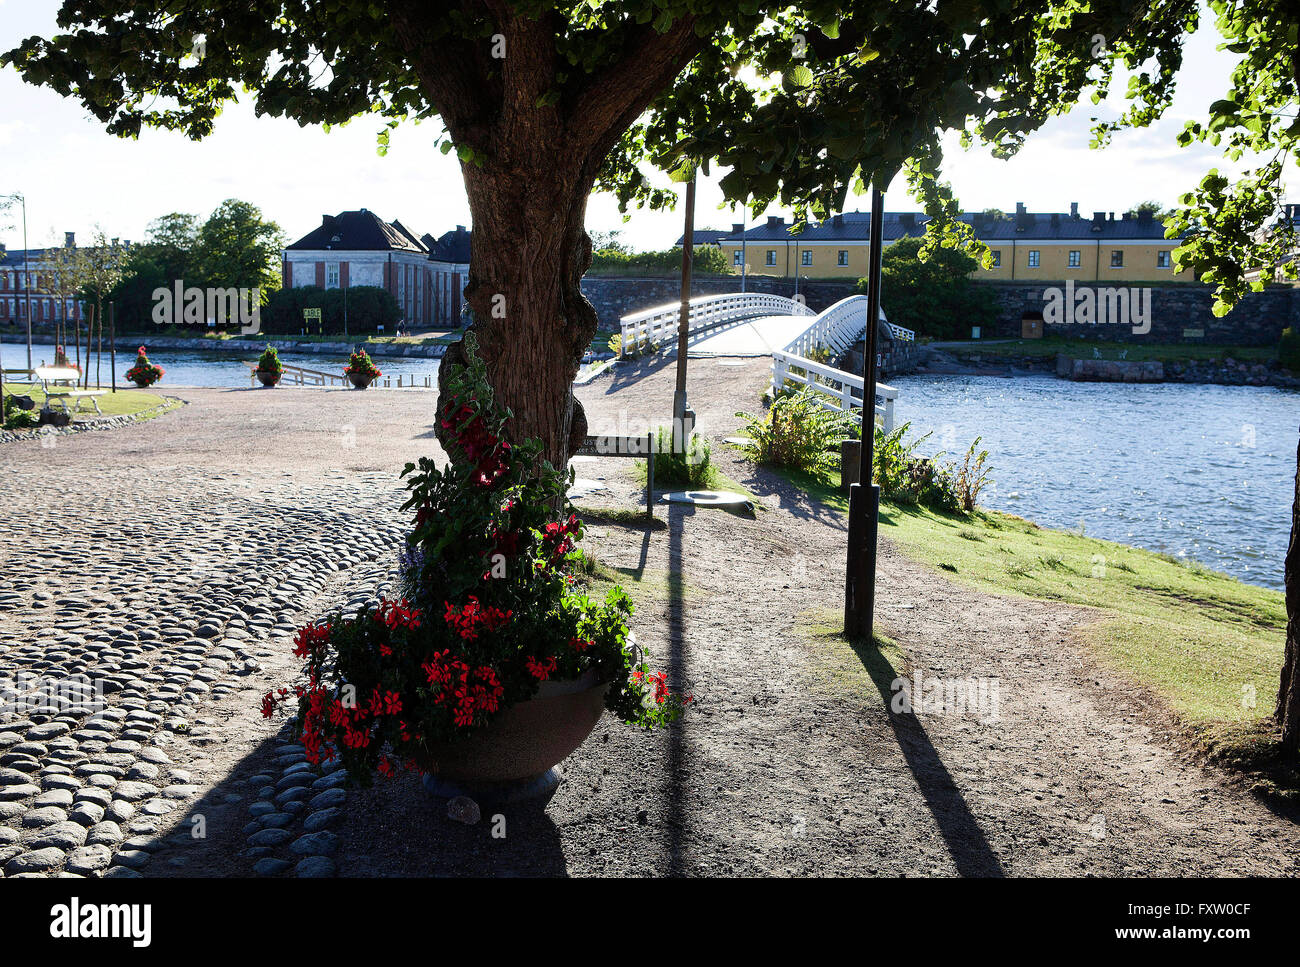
x: 535, y: 164
x: 1288, y: 693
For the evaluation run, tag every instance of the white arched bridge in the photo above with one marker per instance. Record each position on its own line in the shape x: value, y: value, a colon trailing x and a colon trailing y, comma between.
x: 761, y: 324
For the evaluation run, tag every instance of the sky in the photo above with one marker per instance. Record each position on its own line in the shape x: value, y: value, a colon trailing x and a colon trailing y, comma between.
x: 76, y: 177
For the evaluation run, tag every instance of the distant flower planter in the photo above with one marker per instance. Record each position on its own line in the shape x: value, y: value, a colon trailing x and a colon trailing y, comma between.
x: 269, y: 368
x: 144, y: 373
x: 360, y: 370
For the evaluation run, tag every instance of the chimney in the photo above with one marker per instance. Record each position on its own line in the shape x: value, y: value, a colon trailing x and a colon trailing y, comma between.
x: 1112, y: 217
x: 774, y: 221
x: 908, y: 219
x: 69, y: 239
x: 1145, y: 216
x: 460, y: 229
x: 737, y: 228
x: 838, y: 221
x: 1074, y: 209
x: 1128, y: 216
x: 1098, y: 220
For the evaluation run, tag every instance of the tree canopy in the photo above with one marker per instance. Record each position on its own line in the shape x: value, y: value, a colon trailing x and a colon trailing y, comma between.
x: 799, y: 103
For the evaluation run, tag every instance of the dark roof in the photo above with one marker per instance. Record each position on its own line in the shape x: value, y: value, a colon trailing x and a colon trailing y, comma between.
x: 451, y: 247
x: 359, y: 231
x: 704, y: 236
x: 856, y: 227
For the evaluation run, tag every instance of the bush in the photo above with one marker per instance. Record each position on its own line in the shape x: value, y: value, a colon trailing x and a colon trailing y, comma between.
x: 14, y: 418
x: 692, y: 469
x: 906, y: 478
x: 1288, y: 349
x: 935, y: 298
x: 972, y: 478
x: 368, y: 308
x: 799, y: 433
x: 708, y: 260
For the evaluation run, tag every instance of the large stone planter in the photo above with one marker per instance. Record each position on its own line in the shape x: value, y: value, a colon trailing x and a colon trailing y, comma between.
x: 359, y: 381
x: 513, y: 757
x: 268, y: 379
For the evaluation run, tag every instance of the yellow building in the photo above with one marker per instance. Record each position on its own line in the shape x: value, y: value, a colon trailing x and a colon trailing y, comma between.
x: 1026, y: 246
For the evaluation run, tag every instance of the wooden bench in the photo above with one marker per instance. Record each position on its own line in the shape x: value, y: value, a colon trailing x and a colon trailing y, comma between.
x: 66, y: 376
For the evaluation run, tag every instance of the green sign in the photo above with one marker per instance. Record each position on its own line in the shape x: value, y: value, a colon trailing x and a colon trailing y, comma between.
x: 311, y: 313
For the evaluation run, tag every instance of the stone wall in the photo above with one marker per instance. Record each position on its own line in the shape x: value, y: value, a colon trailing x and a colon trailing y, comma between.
x: 1179, y: 314
x: 617, y: 296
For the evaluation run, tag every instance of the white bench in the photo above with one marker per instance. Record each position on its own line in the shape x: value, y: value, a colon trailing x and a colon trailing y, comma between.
x: 66, y: 376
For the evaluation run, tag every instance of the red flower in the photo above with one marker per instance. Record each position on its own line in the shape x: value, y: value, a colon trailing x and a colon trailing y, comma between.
x: 541, y: 670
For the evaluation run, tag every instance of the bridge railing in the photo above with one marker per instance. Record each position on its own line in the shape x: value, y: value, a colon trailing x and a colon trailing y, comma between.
x: 833, y: 388
x: 659, y: 325
x: 837, y: 328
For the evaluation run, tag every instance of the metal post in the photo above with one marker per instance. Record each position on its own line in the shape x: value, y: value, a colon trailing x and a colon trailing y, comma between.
x: 112, y: 348
x: 683, y: 321
x: 27, y: 283
x: 864, y: 496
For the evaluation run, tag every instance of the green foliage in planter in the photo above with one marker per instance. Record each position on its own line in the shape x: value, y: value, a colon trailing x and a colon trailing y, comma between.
x: 492, y: 604
x: 269, y: 361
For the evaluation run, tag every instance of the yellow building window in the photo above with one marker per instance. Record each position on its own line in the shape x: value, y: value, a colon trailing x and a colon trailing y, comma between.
x: 1075, y: 258
x: 1162, y: 260
x: 1033, y: 258
x: 738, y: 257
x: 1117, y: 258
x: 771, y: 256
x: 843, y: 257
x: 806, y: 257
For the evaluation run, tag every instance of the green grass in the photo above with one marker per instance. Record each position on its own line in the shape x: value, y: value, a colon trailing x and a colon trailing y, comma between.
x: 1051, y: 345
x: 122, y: 403
x: 715, y: 480
x: 1208, y: 646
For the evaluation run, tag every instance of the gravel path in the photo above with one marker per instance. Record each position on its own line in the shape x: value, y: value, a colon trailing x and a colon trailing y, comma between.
x: 172, y: 560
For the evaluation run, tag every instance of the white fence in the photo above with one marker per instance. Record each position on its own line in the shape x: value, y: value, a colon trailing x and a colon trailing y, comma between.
x: 659, y: 325
x: 838, y: 328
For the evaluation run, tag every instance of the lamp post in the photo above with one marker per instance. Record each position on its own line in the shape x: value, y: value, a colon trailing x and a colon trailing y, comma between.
x: 681, y: 415
x: 864, y: 496
x: 27, y: 274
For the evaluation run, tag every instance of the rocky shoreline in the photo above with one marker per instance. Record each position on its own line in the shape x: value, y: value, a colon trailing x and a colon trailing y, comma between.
x: 1226, y: 372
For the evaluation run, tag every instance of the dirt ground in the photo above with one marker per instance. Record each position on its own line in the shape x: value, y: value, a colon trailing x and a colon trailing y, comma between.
x: 790, y: 761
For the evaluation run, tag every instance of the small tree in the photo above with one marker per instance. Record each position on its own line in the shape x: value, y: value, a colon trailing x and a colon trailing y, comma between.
x: 934, y: 296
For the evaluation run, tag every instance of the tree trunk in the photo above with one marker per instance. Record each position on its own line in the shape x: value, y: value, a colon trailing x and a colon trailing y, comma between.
x: 531, y: 320
x: 1288, y: 693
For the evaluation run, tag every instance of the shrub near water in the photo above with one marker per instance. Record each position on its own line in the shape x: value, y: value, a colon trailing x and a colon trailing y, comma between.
x: 490, y: 608
x: 1288, y: 349
x: 798, y: 433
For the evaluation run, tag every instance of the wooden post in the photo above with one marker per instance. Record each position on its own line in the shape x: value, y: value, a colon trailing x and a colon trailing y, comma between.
x: 650, y: 474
